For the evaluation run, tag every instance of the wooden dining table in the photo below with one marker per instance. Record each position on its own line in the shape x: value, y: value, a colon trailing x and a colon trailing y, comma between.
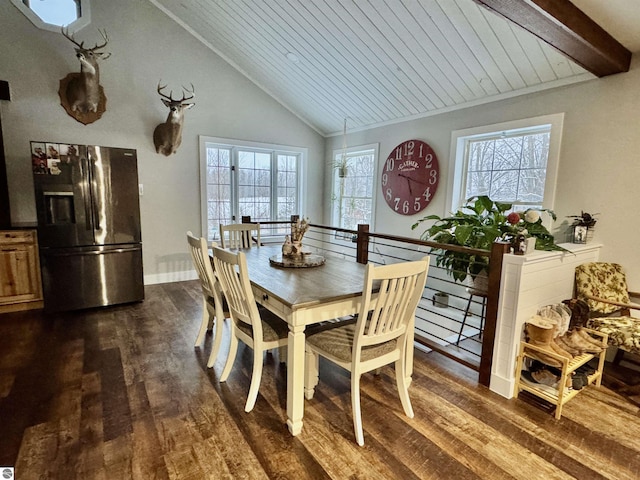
x: 301, y: 297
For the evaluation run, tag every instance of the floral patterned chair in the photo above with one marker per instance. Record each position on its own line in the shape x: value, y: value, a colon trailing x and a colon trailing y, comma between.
x: 604, y: 287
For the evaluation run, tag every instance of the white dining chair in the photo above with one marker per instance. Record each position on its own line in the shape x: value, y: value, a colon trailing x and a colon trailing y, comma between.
x: 214, y: 309
x: 240, y: 235
x: 378, y: 337
x: 261, y: 330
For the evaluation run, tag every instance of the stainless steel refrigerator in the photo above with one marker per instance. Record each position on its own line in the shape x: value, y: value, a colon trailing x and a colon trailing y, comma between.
x: 88, y: 225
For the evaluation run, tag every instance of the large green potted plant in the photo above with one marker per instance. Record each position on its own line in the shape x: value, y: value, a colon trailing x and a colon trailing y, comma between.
x: 478, y: 224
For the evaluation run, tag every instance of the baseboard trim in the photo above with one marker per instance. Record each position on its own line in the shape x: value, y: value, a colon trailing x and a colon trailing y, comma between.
x: 502, y: 386
x: 169, y: 277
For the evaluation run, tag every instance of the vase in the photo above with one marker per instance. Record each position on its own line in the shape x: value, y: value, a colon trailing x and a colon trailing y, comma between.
x: 582, y: 234
x: 479, y: 285
x: 441, y: 300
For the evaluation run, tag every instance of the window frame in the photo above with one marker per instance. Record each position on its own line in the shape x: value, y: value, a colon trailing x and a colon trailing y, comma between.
x: 260, y: 147
x: 352, y: 151
x: 76, y: 25
x: 457, y: 164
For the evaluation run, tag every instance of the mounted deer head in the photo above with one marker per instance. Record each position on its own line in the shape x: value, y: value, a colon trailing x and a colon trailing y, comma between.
x: 167, y: 136
x: 83, y: 91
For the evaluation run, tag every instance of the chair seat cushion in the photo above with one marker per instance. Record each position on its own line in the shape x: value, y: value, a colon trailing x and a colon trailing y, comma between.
x: 273, y: 327
x: 338, y: 342
x: 624, y: 332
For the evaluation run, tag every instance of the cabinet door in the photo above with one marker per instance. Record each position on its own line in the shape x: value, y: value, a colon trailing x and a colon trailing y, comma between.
x: 19, y: 280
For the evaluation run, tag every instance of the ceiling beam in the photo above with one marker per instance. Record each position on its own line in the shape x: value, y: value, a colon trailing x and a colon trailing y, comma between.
x: 569, y: 30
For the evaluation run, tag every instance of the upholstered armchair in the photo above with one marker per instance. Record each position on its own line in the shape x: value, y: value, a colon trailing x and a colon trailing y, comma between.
x: 604, y: 287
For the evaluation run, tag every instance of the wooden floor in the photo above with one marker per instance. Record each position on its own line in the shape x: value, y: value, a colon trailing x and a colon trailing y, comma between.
x: 121, y: 393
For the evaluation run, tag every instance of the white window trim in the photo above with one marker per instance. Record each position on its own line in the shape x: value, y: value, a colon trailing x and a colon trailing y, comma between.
x: 456, y: 156
x: 233, y: 143
x: 76, y: 25
x: 374, y: 191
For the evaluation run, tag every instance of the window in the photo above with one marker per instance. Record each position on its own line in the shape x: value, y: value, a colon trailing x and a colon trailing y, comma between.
x: 514, y: 162
x: 53, y: 14
x: 352, y: 199
x: 248, y: 179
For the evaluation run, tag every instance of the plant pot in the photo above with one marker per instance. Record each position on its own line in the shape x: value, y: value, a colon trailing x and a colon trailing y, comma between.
x: 479, y: 285
x: 530, y: 245
x: 441, y: 299
x: 581, y: 234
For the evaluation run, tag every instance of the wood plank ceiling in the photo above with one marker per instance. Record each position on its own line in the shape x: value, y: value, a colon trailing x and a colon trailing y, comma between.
x: 375, y: 62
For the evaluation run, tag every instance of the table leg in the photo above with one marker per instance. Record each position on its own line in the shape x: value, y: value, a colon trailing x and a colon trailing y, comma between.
x: 295, y: 379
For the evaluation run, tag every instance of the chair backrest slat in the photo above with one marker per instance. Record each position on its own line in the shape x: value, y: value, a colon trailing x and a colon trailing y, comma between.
x: 240, y: 235
x: 233, y: 274
x: 385, y: 314
x: 199, y: 251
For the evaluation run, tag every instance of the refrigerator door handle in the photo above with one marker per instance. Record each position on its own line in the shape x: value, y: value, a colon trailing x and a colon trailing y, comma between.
x: 95, y: 213
x: 96, y: 252
x: 86, y: 189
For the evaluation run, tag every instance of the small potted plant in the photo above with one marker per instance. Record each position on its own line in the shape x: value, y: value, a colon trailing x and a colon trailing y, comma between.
x: 582, y: 227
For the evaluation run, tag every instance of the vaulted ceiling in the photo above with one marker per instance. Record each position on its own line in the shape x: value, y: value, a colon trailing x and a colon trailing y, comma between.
x: 376, y: 62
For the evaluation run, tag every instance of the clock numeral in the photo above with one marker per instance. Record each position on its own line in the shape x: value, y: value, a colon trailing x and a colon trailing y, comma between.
x: 389, y: 195
x: 399, y: 153
x: 385, y: 179
x: 410, y: 148
x: 396, y: 201
x: 405, y: 207
x: 433, y: 177
x: 390, y: 164
x: 416, y: 204
x: 421, y: 148
x: 427, y: 194
x: 429, y: 160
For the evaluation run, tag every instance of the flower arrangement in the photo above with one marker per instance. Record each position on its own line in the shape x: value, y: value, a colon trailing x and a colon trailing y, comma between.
x: 478, y: 224
x: 292, y: 246
x: 529, y: 224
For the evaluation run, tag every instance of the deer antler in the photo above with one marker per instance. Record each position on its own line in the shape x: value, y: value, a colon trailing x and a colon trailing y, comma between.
x: 71, y: 37
x: 192, y: 92
x: 184, y: 95
x: 170, y: 97
x: 106, y: 41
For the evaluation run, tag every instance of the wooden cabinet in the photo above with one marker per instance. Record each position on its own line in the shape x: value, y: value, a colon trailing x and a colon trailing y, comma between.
x: 20, y: 284
x: 560, y: 396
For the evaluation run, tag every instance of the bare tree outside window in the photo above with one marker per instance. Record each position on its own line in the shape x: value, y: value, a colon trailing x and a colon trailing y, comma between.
x: 255, y: 182
x: 510, y: 167
x: 353, y: 193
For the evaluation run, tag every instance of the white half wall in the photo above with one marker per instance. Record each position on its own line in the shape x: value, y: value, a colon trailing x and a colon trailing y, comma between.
x: 528, y: 283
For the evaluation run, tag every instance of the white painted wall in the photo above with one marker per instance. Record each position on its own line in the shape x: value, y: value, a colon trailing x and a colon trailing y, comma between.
x: 146, y: 46
x: 599, y: 168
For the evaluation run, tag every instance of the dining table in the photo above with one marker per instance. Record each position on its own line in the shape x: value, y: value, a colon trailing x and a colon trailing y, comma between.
x: 303, y: 297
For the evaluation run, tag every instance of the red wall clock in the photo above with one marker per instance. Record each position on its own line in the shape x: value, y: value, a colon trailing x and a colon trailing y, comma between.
x: 410, y: 177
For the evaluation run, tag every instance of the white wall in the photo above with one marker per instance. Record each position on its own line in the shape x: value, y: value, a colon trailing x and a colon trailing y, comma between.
x: 599, y: 168
x: 146, y: 46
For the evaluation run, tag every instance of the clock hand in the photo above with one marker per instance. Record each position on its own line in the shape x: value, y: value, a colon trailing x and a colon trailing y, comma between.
x: 412, y: 179
x: 408, y: 183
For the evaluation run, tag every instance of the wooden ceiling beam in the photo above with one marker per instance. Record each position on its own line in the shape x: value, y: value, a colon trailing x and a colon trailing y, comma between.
x: 569, y: 30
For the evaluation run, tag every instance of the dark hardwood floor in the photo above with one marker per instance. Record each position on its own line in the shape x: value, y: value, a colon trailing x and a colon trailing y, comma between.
x: 121, y: 393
